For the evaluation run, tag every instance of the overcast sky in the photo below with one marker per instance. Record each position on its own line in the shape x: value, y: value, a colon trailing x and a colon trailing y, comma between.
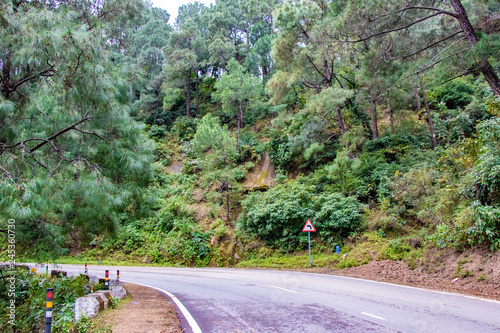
x: 172, y: 5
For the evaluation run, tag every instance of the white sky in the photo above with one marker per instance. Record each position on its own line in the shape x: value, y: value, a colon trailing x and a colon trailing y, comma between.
x: 173, y: 5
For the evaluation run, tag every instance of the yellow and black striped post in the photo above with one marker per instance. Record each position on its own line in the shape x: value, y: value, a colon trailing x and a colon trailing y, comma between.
x: 86, y: 270
x: 48, y: 310
x: 47, y: 267
x: 118, y: 276
x: 106, y: 280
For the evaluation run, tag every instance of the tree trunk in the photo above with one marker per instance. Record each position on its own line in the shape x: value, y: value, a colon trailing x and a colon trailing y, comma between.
x: 6, y: 76
x: 227, y: 202
x: 240, y: 122
x: 417, y: 97
x: 429, y: 117
x: 197, y: 94
x: 226, y: 185
x: 374, y: 118
x: 484, y: 65
x: 188, y: 94
x: 391, y: 117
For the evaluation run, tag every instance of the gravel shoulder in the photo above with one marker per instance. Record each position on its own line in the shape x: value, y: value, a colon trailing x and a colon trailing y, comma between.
x: 145, y: 310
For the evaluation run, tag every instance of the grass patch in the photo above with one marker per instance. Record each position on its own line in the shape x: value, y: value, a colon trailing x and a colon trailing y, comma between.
x: 359, y: 251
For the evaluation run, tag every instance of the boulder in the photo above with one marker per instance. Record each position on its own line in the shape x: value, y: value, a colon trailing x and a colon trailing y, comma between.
x: 104, y: 299
x: 118, y: 291
x: 87, y: 306
x: 93, y: 280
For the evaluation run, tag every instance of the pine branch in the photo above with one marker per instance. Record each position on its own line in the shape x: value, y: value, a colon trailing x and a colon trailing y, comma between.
x: 415, y: 7
x: 34, y: 106
x: 438, y: 61
x: 464, y: 73
x: 316, y: 68
x: 26, y: 79
x: 92, y: 133
x: 395, y: 29
x: 429, y: 46
x: 64, y: 130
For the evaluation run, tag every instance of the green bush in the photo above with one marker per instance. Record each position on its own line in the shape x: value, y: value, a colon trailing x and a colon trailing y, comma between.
x: 30, y: 296
x: 456, y: 94
x: 278, y: 215
x: 280, y: 152
x: 486, y: 224
x: 336, y: 216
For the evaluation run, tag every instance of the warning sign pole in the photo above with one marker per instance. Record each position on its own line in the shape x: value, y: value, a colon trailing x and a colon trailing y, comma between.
x: 309, y: 238
x: 308, y: 227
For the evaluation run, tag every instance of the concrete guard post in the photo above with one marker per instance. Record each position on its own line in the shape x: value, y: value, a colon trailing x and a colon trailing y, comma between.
x: 90, y: 305
x: 118, y: 291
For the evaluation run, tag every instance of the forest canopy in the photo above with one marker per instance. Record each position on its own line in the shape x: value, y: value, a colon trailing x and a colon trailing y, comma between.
x: 376, y: 115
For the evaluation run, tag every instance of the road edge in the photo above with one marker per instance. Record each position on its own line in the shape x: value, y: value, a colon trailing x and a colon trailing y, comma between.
x: 190, y: 319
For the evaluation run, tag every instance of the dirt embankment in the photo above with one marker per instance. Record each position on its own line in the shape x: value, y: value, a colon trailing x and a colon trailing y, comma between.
x: 476, y: 272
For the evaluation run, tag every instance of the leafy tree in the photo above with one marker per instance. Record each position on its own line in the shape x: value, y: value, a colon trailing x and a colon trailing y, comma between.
x: 219, y: 163
x: 144, y: 61
x: 187, y: 54
x: 278, y: 215
x: 237, y: 90
x: 71, y: 158
x: 306, y: 53
x: 438, y: 31
x: 243, y: 30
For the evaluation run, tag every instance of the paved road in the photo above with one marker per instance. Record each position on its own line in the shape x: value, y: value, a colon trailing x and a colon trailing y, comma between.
x: 234, y: 300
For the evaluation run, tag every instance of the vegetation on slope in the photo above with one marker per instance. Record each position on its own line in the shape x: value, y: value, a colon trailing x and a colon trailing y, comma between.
x: 128, y: 139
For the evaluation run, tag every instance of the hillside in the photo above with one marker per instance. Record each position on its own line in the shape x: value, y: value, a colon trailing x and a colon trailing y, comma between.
x: 211, y: 141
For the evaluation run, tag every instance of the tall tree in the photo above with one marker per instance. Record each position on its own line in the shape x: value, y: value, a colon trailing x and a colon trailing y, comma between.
x: 216, y: 148
x: 187, y: 55
x: 307, y: 53
x: 237, y: 89
x: 144, y: 61
x: 439, y: 31
x: 71, y: 158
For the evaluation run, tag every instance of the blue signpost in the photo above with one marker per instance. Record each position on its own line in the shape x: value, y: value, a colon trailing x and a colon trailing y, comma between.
x: 308, y: 227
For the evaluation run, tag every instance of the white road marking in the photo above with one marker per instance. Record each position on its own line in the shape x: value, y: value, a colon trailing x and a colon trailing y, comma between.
x: 185, y: 312
x: 290, y: 291
x: 373, y: 316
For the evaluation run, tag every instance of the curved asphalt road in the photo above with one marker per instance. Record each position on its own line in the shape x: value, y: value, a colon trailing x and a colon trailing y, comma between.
x: 234, y: 300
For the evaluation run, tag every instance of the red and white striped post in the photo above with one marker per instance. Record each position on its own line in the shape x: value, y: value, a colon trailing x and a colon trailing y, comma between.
x: 106, y: 280
x: 48, y: 310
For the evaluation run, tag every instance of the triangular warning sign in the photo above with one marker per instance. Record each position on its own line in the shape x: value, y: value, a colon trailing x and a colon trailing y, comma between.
x: 309, y: 227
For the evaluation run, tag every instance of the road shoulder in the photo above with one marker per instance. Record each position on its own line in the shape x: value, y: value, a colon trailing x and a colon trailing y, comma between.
x: 144, y: 310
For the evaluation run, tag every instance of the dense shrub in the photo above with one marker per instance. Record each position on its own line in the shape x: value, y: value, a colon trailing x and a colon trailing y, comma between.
x: 278, y: 215
x: 456, y: 94
x: 280, y: 152
x: 336, y: 216
x: 30, y: 295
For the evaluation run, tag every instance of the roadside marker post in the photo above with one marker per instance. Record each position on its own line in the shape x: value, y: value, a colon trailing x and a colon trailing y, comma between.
x: 118, y: 276
x: 86, y: 270
x: 308, y: 227
x: 106, y: 280
x: 48, y: 310
x: 47, y: 267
